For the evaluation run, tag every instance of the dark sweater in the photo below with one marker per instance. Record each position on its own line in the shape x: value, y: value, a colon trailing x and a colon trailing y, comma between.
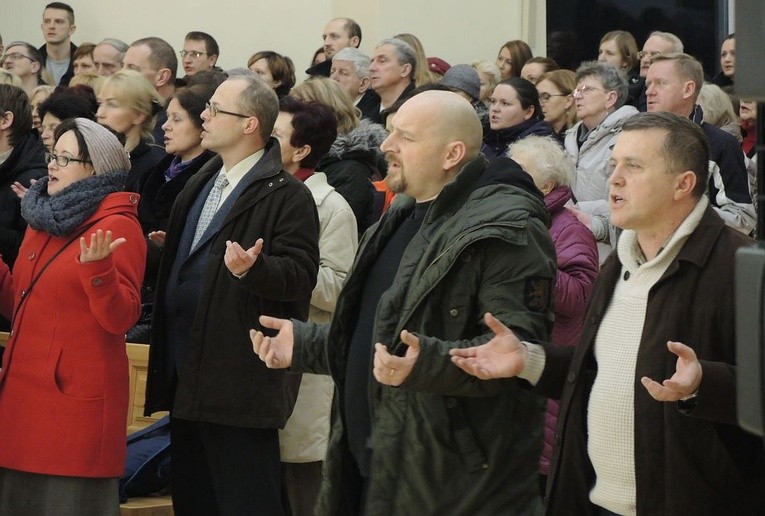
x: 359, y: 366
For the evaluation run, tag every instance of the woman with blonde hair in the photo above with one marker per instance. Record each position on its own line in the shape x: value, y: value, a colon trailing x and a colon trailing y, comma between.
x: 490, y: 77
x: 352, y: 162
x: 718, y: 109
x: 38, y: 96
x: 422, y: 75
x: 128, y: 104
x: 330, y: 93
x: 619, y: 49
x: 556, y: 98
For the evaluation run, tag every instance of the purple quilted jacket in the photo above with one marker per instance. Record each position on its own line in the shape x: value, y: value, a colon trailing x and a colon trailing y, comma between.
x: 577, y: 268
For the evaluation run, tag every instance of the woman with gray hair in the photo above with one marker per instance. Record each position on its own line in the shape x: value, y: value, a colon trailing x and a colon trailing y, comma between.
x: 64, y: 383
x: 600, y: 96
x: 576, y: 252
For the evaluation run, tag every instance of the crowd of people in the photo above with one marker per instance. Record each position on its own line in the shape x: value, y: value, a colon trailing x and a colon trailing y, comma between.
x: 397, y: 287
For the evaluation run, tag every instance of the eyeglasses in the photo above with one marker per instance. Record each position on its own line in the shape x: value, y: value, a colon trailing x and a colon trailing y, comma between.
x: 643, y: 54
x: 17, y: 56
x: 193, y: 54
x: 544, y: 97
x: 214, y: 110
x: 585, y: 89
x: 62, y: 161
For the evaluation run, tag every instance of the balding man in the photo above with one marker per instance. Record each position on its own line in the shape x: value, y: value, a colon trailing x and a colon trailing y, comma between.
x: 339, y: 33
x: 107, y: 56
x: 461, y: 239
x: 155, y: 59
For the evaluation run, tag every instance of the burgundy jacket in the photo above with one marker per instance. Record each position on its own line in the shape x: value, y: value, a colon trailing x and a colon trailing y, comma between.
x: 577, y: 255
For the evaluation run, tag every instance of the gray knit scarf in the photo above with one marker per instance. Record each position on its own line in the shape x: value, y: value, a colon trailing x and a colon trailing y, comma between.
x: 64, y: 212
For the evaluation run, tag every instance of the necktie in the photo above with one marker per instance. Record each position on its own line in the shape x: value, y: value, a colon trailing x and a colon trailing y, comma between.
x: 210, y: 207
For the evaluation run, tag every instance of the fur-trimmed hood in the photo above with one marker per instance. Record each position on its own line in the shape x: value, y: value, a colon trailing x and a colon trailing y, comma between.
x: 363, y: 141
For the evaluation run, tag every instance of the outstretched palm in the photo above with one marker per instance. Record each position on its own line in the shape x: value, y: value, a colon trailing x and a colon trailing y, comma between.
x: 504, y: 356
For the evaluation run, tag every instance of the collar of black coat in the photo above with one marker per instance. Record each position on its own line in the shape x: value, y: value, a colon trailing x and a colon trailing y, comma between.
x: 477, y: 174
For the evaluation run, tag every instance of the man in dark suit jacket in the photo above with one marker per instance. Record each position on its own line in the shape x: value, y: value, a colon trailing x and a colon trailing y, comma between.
x: 226, y: 406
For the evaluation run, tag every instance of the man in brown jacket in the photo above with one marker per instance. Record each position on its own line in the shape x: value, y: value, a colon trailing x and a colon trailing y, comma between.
x: 656, y: 448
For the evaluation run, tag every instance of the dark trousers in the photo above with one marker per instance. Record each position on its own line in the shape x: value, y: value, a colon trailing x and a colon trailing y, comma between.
x: 301, y: 484
x: 224, y: 470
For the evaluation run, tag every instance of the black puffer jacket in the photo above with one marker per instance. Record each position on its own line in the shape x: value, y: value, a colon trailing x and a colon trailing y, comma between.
x: 26, y: 162
x: 350, y: 165
x: 496, y: 142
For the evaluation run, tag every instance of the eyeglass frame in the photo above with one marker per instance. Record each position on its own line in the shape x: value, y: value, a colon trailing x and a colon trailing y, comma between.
x: 199, y: 54
x: 214, y: 110
x: 643, y: 53
x: 545, y: 97
x: 16, y: 56
x: 581, y: 91
x: 50, y: 158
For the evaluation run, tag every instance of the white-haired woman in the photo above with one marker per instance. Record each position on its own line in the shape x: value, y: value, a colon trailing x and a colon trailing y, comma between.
x: 71, y: 298
x: 576, y: 251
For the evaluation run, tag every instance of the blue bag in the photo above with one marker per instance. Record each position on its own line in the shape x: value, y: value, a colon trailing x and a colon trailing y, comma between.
x: 147, y: 464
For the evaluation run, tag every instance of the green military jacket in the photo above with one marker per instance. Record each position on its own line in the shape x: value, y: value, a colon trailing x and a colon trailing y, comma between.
x: 445, y: 442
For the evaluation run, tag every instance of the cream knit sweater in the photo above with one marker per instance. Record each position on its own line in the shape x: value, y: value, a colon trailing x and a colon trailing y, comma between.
x: 611, y: 410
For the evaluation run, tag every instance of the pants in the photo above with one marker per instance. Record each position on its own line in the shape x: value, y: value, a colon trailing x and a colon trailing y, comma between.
x: 224, y: 470
x: 301, y: 486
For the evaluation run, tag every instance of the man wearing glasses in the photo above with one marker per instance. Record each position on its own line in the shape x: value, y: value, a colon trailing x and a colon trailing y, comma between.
x: 657, y: 43
x: 242, y: 241
x: 200, y: 52
x: 24, y: 61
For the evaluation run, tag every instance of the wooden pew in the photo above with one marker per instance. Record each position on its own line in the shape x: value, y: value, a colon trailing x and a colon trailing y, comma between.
x: 138, y: 357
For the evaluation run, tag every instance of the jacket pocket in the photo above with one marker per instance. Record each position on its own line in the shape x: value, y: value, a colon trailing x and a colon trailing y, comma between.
x: 68, y: 375
x: 464, y: 437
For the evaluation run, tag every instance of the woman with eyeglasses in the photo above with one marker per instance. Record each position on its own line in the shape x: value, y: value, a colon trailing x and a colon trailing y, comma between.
x: 600, y: 96
x: 39, y: 95
x: 555, y: 90
x: 75, y: 102
x: 515, y: 113
x: 128, y: 104
x: 64, y: 384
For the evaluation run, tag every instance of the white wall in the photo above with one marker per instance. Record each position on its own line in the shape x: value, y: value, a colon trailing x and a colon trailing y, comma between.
x: 455, y: 30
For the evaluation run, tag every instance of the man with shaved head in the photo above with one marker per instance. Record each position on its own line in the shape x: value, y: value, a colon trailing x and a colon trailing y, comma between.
x: 461, y: 238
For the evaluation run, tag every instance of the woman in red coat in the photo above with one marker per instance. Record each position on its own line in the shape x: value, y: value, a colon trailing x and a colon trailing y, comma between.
x: 73, y: 294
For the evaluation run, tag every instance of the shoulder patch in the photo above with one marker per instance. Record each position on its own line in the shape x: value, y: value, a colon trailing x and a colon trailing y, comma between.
x: 537, y: 294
